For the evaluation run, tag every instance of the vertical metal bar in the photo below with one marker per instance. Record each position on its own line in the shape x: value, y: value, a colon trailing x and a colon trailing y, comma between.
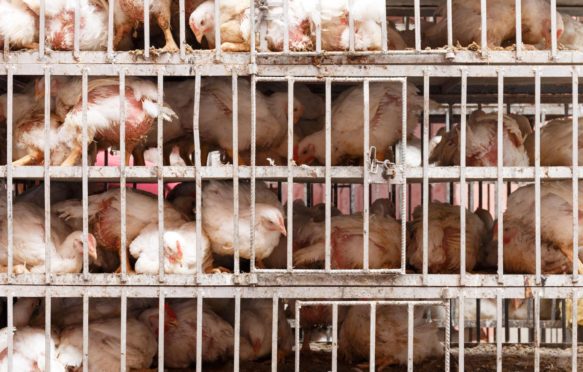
x: 335, y: 337
x: 110, y: 29
x: 350, y: 27
x: 417, y: 5
x: 85, y: 332
x: 199, y: 325
x: 198, y: 177
x: 328, y: 170
x: 450, y: 25
x: 274, y: 329
x: 404, y: 185
x: 574, y: 329
x: 461, y: 335
x: 384, y: 31
x: 253, y: 50
x: 498, y: 331
x: 297, y: 337
x: 286, y: 26
x: 85, y: 175
x: 253, y: 170
x: 146, y: 29
x: 447, y: 334
x: 77, y: 27
x: 161, y: 316
x: 425, y: 187
x: 410, y: 319
x: 554, y: 41
x: 237, y: 331
x: 123, y: 336
x: 42, y: 30
x: 575, y: 173
x: 9, y: 171
x: 182, y: 20
x: 48, y: 330
x: 217, y: 29
x: 463, y: 195
x: 518, y: 14
x: 122, y: 170
x: 290, y: 166
x: 499, y: 179
x: 537, y: 174
x: 11, y: 329
x: 484, y: 26
x: 537, y: 330
x: 235, y: 100
x: 47, y: 176
x: 373, y: 338
x: 319, y: 28
x: 366, y: 176
x: 160, y: 177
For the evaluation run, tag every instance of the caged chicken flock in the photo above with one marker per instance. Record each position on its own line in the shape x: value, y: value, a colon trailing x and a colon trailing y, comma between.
x: 254, y: 224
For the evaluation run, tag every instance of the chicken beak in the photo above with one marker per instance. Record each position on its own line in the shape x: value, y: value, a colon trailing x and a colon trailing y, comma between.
x: 198, y: 34
x: 281, y: 226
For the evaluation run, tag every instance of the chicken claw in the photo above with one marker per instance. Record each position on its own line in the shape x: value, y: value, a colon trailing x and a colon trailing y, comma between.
x: 218, y: 270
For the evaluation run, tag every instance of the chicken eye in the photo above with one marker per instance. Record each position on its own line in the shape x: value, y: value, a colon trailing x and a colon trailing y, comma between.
x: 202, y: 22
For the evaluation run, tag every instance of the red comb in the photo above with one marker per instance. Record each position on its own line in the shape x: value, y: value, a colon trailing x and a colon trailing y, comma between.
x: 169, y: 311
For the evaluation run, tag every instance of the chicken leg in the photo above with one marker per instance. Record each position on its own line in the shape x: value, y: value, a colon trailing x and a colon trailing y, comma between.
x: 34, y: 157
x: 568, y: 252
x: 164, y: 23
x: 73, y: 157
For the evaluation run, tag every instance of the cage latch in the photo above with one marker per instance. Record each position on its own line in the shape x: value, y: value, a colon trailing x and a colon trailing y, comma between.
x: 389, y: 170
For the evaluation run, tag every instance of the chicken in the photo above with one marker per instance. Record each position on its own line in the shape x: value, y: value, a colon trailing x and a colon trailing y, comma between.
x: 23, y: 310
x: 556, y: 229
x: 180, y: 334
x: 28, y: 351
x: 482, y: 142
x: 22, y: 105
x: 60, y: 191
x: 18, y: 25
x: 104, y: 355
x: 391, y: 336
x: 216, y: 121
x: 466, y: 19
x: 444, y: 238
x: 556, y: 143
x: 183, y: 198
x: 130, y: 12
x: 235, y: 24
x: 103, y: 112
x: 346, y: 242
x: 413, y: 152
x: 92, y: 24
x: 66, y: 246
x: 217, y: 219
x: 572, y: 37
x: 104, y: 217
x: 348, y: 123
x: 256, y: 323
x: 179, y: 250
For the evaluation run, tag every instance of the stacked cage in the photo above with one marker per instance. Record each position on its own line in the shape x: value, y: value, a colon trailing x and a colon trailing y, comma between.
x: 290, y: 185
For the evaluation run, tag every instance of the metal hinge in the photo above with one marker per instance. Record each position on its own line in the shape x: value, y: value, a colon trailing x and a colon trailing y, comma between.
x: 387, y: 169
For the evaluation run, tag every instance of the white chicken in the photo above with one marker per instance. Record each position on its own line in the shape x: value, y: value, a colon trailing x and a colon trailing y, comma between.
x: 179, y: 250
x: 105, y: 213
x: 128, y: 13
x: 105, y: 344
x: 556, y: 229
x: 347, y: 243
x: 256, y: 323
x: 482, y: 142
x: 466, y: 20
x: 217, y: 219
x: 180, y: 334
x: 103, y: 114
x: 65, y: 246
x: 93, y: 16
x: 391, y: 336
x: 556, y: 143
x: 348, y: 123
x: 444, y: 238
x: 18, y: 25
x: 28, y: 351
x: 216, y: 121
x: 572, y: 37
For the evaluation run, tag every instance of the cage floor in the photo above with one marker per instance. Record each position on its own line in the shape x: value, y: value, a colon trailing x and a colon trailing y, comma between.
x: 479, y: 358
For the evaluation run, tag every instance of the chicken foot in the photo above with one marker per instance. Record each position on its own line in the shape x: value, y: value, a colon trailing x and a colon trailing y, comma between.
x: 569, y: 254
x: 129, y: 269
x: 164, y: 23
